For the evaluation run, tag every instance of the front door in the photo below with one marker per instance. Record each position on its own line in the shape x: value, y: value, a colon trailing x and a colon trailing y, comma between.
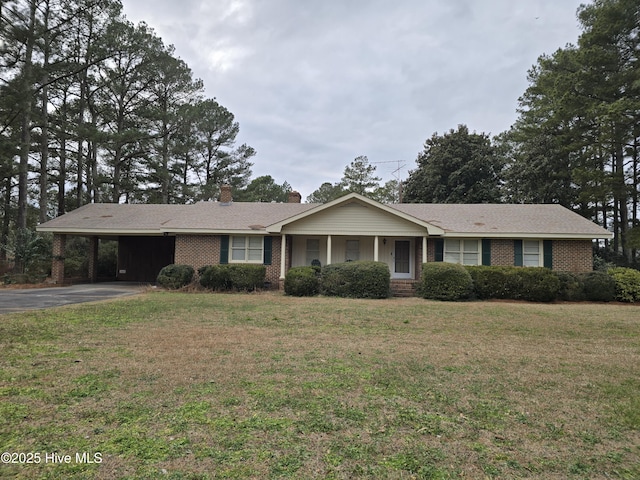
x: 402, y: 257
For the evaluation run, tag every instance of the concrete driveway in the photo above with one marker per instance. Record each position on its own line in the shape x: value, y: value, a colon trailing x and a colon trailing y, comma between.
x: 18, y: 300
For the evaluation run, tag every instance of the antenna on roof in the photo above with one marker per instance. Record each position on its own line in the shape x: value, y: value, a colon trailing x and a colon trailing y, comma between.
x: 396, y: 175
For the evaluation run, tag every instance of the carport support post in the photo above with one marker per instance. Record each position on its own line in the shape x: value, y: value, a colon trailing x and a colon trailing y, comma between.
x: 93, y: 259
x: 57, y: 264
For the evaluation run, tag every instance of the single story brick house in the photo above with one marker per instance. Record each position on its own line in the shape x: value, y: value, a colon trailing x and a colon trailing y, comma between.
x: 353, y: 227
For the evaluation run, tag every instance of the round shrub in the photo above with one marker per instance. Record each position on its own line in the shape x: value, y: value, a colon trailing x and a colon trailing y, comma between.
x: 360, y: 279
x: 175, y: 276
x: 445, y: 281
x: 627, y: 283
x: 302, y: 282
x: 599, y: 287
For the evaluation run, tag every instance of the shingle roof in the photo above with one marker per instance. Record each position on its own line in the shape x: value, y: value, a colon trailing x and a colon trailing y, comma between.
x: 214, y: 217
x: 519, y: 219
x: 112, y: 218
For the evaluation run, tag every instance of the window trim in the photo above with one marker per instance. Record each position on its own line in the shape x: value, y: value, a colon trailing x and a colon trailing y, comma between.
x: 540, y: 253
x: 246, y: 249
x: 346, y: 250
x: 461, y: 252
x: 309, y: 253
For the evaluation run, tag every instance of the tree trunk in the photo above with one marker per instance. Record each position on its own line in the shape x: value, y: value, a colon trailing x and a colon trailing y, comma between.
x: 26, y: 106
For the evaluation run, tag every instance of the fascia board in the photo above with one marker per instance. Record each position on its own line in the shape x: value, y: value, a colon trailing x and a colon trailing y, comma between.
x: 550, y: 236
x: 100, y: 231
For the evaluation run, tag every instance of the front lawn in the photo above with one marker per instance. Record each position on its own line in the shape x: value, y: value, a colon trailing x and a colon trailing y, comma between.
x: 197, y: 386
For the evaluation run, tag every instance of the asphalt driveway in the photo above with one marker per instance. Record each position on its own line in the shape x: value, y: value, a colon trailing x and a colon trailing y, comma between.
x: 18, y: 300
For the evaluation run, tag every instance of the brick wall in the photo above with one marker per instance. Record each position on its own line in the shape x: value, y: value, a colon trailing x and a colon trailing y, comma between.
x: 573, y: 255
x: 201, y: 250
x: 197, y: 250
x: 568, y: 255
x: 502, y: 252
x: 273, y: 270
x: 57, y: 265
x: 431, y: 250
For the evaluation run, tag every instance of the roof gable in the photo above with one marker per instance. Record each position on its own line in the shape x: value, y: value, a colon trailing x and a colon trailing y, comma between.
x: 354, y: 214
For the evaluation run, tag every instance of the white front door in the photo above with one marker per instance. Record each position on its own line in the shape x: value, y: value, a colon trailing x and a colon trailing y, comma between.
x: 402, y: 260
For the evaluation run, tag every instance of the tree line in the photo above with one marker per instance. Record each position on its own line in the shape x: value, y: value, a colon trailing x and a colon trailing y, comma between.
x: 96, y: 109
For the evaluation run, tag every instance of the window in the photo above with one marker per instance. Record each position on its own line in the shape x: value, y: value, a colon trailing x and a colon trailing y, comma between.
x: 466, y: 252
x: 247, y: 249
x: 353, y: 250
x: 313, y: 250
x: 531, y: 253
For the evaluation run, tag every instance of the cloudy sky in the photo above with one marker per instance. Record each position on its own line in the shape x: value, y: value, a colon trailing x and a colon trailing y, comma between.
x: 316, y: 83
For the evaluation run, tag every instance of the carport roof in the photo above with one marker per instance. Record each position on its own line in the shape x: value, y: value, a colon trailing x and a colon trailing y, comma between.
x: 143, y: 219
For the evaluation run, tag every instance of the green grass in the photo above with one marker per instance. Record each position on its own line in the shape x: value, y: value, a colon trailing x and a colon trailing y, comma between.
x: 202, y: 386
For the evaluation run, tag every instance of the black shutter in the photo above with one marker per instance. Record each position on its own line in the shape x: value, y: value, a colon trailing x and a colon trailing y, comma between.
x: 518, y: 259
x: 268, y: 247
x: 548, y: 253
x: 486, y: 251
x: 224, y: 249
x: 439, y: 250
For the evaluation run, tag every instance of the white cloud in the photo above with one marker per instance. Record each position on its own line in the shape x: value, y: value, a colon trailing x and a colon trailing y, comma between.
x: 314, y: 84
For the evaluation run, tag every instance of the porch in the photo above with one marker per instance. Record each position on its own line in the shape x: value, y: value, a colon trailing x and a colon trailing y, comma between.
x: 403, y: 255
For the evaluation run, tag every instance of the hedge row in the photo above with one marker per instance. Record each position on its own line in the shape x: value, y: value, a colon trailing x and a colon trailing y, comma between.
x: 440, y: 281
x: 361, y: 279
x: 443, y: 281
x: 232, y: 277
x: 516, y: 283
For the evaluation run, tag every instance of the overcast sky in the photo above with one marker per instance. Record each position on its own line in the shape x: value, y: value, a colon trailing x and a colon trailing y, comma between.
x: 316, y: 83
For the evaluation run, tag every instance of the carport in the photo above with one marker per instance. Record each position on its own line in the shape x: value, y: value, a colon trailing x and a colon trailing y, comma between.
x: 143, y: 246
x: 140, y: 258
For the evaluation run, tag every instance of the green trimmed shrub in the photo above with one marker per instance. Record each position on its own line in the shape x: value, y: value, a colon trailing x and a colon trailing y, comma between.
x: 214, y: 277
x: 240, y: 277
x: 515, y: 283
x: 495, y: 282
x: 599, y: 287
x: 627, y: 283
x: 175, y: 276
x: 302, y: 282
x: 571, y: 287
x: 360, y: 279
x: 247, y: 277
x: 538, y: 285
x: 445, y: 281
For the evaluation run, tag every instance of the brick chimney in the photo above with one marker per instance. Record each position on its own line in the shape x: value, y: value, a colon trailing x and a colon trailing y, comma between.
x: 295, y: 197
x: 225, y: 194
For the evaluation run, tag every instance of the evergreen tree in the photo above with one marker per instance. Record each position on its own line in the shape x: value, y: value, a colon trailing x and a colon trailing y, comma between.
x: 457, y: 167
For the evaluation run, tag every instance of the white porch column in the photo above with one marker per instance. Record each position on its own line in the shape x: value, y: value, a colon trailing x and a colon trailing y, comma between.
x: 283, y: 256
x: 328, y: 249
x: 375, y: 248
x: 424, y: 249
